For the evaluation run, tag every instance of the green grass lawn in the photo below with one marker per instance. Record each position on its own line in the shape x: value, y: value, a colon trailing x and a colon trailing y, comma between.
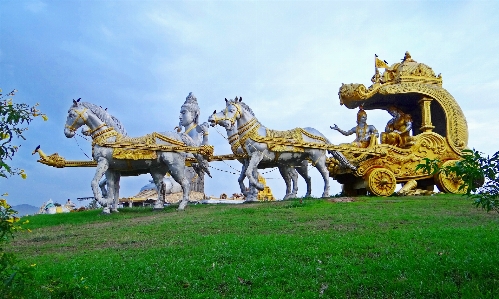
x: 396, y: 247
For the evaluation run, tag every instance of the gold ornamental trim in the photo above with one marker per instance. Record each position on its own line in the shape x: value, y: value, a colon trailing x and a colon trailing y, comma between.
x: 55, y: 160
x: 352, y: 95
x: 144, y: 147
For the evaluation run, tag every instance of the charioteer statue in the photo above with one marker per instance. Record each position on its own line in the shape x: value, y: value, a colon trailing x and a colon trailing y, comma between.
x: 194, y: 134
x: 363, y: 131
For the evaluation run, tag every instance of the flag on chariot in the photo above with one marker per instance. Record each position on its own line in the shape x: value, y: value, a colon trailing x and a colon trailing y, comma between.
x: 380, y: 63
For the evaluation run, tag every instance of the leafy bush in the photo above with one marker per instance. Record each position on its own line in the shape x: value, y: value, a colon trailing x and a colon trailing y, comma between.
x: 10, y: 272
x: 13, y: 117
x: 478, y: 173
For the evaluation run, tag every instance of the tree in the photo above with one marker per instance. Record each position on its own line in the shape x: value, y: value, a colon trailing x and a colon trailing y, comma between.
x: 14, y: 121
x: 478, y: 174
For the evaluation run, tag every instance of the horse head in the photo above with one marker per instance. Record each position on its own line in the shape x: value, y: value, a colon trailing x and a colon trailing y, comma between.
x: 77, y: 117
x: 95, y: 117
x: 228, y: 117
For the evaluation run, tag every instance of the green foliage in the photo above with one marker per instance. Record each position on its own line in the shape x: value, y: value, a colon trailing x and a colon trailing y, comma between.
x: 14, y: 121
x: 10, y: 272
x: 404, y: 247
x: 73, y: 287
x: 478, y: 173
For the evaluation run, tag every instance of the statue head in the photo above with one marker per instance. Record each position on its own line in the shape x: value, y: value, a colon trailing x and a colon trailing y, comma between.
x: 407, y: 57
x: 361, y: 114
x: 394, y: 111
x: 189, y: 111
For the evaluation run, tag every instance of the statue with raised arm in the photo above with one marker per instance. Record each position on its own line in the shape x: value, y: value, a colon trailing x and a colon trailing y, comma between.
x: 398, y: 129
x: 363, y: 131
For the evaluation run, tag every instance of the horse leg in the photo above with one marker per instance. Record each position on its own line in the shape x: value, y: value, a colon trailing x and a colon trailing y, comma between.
x: 102, y: 166
x: 177, y: 171
x: 252, y: 194
x: 256, y: 157
x: 303, y: 171
x: 117, y: 177
x: 157, y: 177
x: 111, y: 182
x: 322, y: 168
x: 286, y: 175
x: 102, y: 186
x: 242, y: 176
x: 294, y: 177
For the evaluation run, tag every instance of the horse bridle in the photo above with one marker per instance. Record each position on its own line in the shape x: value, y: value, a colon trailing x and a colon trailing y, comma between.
x: 79, y: 115
x: 232, y: 119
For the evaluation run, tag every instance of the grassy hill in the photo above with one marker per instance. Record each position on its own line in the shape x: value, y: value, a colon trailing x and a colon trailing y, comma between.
x: 397, y: 247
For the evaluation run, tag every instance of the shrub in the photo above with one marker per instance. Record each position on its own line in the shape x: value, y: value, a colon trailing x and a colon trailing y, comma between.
x: 478, y: 173
x: 10, y: 272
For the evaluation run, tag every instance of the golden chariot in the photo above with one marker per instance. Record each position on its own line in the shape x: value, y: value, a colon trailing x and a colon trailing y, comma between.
x: 439, y: 131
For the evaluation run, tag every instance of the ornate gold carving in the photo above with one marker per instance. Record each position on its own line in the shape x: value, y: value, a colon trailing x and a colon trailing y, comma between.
x: 144, y: 147
x: 55, y: 160
x: 412, y: 77
x: 133, y: 154
x: 291, y: 135
x: 402, y: 162
x: 147, y: 139
x: 449, y: 183
x: 457, y: 127
x: 381, y: 182
x: 426, y: 125
x: 103, y: 135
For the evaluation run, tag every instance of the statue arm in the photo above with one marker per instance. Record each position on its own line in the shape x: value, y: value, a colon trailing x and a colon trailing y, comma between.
x: 408, y: 127
x: 389, y: 126
x: 373, y: 131
x: 205, y: 131
x: 346, y: 133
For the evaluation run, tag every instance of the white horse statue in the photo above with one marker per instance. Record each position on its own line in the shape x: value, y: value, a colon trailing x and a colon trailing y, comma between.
x: 117, y: 154
x: 288, y: 173
x: 294, y: 148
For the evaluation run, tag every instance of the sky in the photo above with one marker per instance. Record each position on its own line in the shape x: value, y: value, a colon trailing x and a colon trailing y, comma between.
x: 287, y: 59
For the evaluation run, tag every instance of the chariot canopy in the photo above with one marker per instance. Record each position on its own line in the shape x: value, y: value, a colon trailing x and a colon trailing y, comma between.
x: 415, y: 89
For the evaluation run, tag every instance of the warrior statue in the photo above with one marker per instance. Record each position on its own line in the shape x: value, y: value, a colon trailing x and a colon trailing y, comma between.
x: 194, y: 134
x: 363, y: 131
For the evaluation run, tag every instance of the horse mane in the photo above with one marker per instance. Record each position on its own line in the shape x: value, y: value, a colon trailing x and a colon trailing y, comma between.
x: 104, y: 116
x: 244, y: 105
x: 247, y: 108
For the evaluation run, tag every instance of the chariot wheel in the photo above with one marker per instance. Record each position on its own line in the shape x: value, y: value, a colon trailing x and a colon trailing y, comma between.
x: 381, y: 182
x: 449, y: 183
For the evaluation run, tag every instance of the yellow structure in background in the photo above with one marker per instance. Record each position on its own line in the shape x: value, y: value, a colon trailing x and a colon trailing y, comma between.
x: 266, y: 193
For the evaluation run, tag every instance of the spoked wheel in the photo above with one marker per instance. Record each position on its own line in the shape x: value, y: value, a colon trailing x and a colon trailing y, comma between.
x: 381, y: 182
x: 449, y: 183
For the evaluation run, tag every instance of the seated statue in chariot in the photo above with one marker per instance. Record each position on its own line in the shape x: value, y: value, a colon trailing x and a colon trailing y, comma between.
x: 364, y: 134
x: 398, y: 129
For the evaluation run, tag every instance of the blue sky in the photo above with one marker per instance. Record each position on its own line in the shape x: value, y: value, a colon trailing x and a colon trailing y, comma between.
x: 287, y: 59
